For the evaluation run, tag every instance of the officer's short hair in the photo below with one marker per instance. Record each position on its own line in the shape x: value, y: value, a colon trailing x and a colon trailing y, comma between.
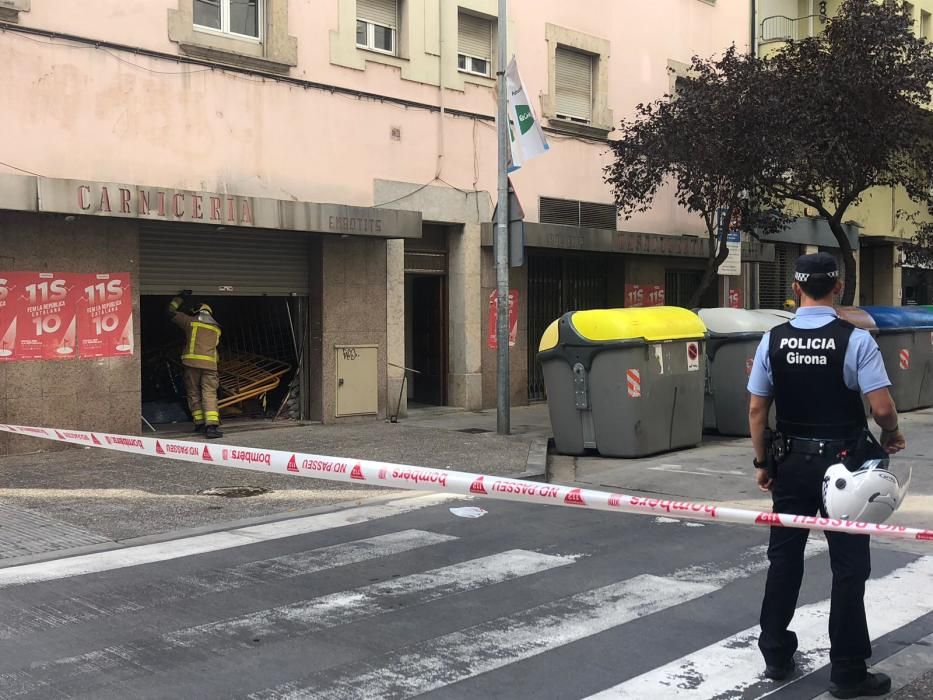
x: 816, y: 274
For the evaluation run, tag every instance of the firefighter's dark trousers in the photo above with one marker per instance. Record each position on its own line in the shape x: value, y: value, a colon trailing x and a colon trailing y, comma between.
x: 201, y: 388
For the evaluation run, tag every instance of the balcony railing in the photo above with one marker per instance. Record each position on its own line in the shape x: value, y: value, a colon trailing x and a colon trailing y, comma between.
x: 781, y: 28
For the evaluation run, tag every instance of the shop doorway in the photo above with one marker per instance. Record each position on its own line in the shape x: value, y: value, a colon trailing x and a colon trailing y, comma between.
x: 427, y: 341
x: 557, y: 284
x: 259, y: 358
x: 679, y: 286
x: 426, y: 316
x: 258, y: 286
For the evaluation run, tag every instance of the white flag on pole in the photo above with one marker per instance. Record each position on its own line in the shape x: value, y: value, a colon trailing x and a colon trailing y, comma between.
x: 526, y: 137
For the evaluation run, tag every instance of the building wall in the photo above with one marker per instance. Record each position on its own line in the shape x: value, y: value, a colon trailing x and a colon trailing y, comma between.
x: 81, y: 394
x: 151, y: 121
x: 353, y: 310
x: 118, y: 116
x: 518, y: 354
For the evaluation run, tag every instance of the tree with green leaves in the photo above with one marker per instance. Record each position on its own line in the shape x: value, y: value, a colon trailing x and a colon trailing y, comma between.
x: 853, y: 116
x: 817, y: 123
x: 696, y: 142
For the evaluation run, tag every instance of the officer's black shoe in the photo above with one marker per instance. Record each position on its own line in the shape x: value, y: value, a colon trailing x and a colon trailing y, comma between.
x: 200, y: 428
x: 873, y: 685
x: 779, y: 673
x: 212, y: 432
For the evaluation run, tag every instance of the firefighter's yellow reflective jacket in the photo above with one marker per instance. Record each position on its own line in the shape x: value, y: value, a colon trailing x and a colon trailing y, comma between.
x: 202, y: 336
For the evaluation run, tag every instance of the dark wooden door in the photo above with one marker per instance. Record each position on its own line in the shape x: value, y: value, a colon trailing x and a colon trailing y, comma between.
x: 429, y: 339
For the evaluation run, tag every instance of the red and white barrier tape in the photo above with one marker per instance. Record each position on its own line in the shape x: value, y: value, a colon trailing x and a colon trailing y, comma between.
x: 464, y: 483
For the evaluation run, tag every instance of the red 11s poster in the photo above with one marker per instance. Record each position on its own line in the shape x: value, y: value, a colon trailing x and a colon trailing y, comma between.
x: 45, y: 316
x: 8, y: 287
x: 105, y: 315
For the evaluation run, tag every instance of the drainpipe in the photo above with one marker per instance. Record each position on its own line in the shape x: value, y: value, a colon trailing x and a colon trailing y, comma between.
x: 440, y: 80
x: 753, y: 12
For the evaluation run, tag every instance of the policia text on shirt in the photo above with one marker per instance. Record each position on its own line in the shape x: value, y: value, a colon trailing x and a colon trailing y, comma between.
x: 816, y: 368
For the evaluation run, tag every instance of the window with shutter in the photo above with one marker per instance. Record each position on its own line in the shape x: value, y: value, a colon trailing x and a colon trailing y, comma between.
x: 384, y: 12
x: 377, y: 24
x: 574, y: 85
x: 474, y: 44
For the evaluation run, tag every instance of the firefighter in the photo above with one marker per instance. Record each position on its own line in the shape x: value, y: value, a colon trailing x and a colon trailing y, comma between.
x: 816, y: 369
x: 199, y: 356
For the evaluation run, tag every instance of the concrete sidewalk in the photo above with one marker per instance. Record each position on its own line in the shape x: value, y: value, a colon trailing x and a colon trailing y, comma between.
x: 77, y: 499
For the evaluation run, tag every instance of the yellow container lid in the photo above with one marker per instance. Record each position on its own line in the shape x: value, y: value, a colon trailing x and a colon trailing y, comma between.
x: 652, y: 324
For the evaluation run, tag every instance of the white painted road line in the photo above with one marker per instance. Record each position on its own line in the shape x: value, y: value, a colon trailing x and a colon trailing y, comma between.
x: 201, y: 544
x: 433, y: 664
x: 112, y: 602
x: 203, y: 642
x: 351, y: 605
x: 733, y: 665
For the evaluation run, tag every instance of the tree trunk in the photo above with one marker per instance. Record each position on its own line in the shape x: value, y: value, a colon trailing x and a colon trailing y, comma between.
x: 713, y: 261
x: 850, y: 278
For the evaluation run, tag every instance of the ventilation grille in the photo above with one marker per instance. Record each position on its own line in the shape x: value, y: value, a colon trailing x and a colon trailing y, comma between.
x: 571, y: 212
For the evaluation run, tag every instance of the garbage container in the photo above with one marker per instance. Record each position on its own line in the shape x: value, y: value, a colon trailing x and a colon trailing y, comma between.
x: 734, y: 336
x: 905, y: 334
x: 626, y: 382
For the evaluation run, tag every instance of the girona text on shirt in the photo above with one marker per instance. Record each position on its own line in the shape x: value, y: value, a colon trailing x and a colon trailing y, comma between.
x: 798, y: 358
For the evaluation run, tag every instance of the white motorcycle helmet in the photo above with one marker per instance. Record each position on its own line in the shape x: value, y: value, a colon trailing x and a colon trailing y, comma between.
x: 870, y: 494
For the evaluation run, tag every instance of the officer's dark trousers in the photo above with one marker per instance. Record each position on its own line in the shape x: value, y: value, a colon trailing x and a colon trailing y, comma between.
x: 798, y: 490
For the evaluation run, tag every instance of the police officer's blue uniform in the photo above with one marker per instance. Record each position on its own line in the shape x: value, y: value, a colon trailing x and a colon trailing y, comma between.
x: 815, y: 368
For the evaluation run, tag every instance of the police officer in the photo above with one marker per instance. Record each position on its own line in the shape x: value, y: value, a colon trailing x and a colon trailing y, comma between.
x: 199, y: 356
x: 815, y: 368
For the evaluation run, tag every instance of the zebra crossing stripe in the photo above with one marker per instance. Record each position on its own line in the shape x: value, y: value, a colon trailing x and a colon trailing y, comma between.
x: 733, y: 665
x: 200, y: 544
x: 89, y: 607
x: 201, y: 643
x: 427, y: 666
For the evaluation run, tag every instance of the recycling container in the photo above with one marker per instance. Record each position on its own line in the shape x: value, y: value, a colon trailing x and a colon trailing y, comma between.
x: 734, y: 336
x: 625, y: 382
x: 905, y: 336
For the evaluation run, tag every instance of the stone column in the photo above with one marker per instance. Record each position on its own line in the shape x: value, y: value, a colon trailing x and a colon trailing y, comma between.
x: 395, y: 324
x: 465, y: 379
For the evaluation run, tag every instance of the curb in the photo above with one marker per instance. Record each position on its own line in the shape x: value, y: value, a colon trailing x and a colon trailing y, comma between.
x: 183, y: 533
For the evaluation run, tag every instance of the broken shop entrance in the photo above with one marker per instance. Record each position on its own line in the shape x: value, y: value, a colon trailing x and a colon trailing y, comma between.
x: 257, y: 285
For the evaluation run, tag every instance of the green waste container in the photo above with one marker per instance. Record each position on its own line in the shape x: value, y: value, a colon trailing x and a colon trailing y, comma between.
x: 625, y: 382
x: 905, y: 336
x: 734, y: 336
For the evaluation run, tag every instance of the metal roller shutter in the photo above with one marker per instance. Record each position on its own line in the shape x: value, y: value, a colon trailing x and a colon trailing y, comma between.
x: 236, y: 263
x: 475, y: 36
x: 574, y: 85
x: 775, y: 279
x: 384, y: 12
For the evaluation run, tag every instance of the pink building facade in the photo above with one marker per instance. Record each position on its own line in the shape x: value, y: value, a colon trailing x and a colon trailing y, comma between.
x: 324, y: 172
